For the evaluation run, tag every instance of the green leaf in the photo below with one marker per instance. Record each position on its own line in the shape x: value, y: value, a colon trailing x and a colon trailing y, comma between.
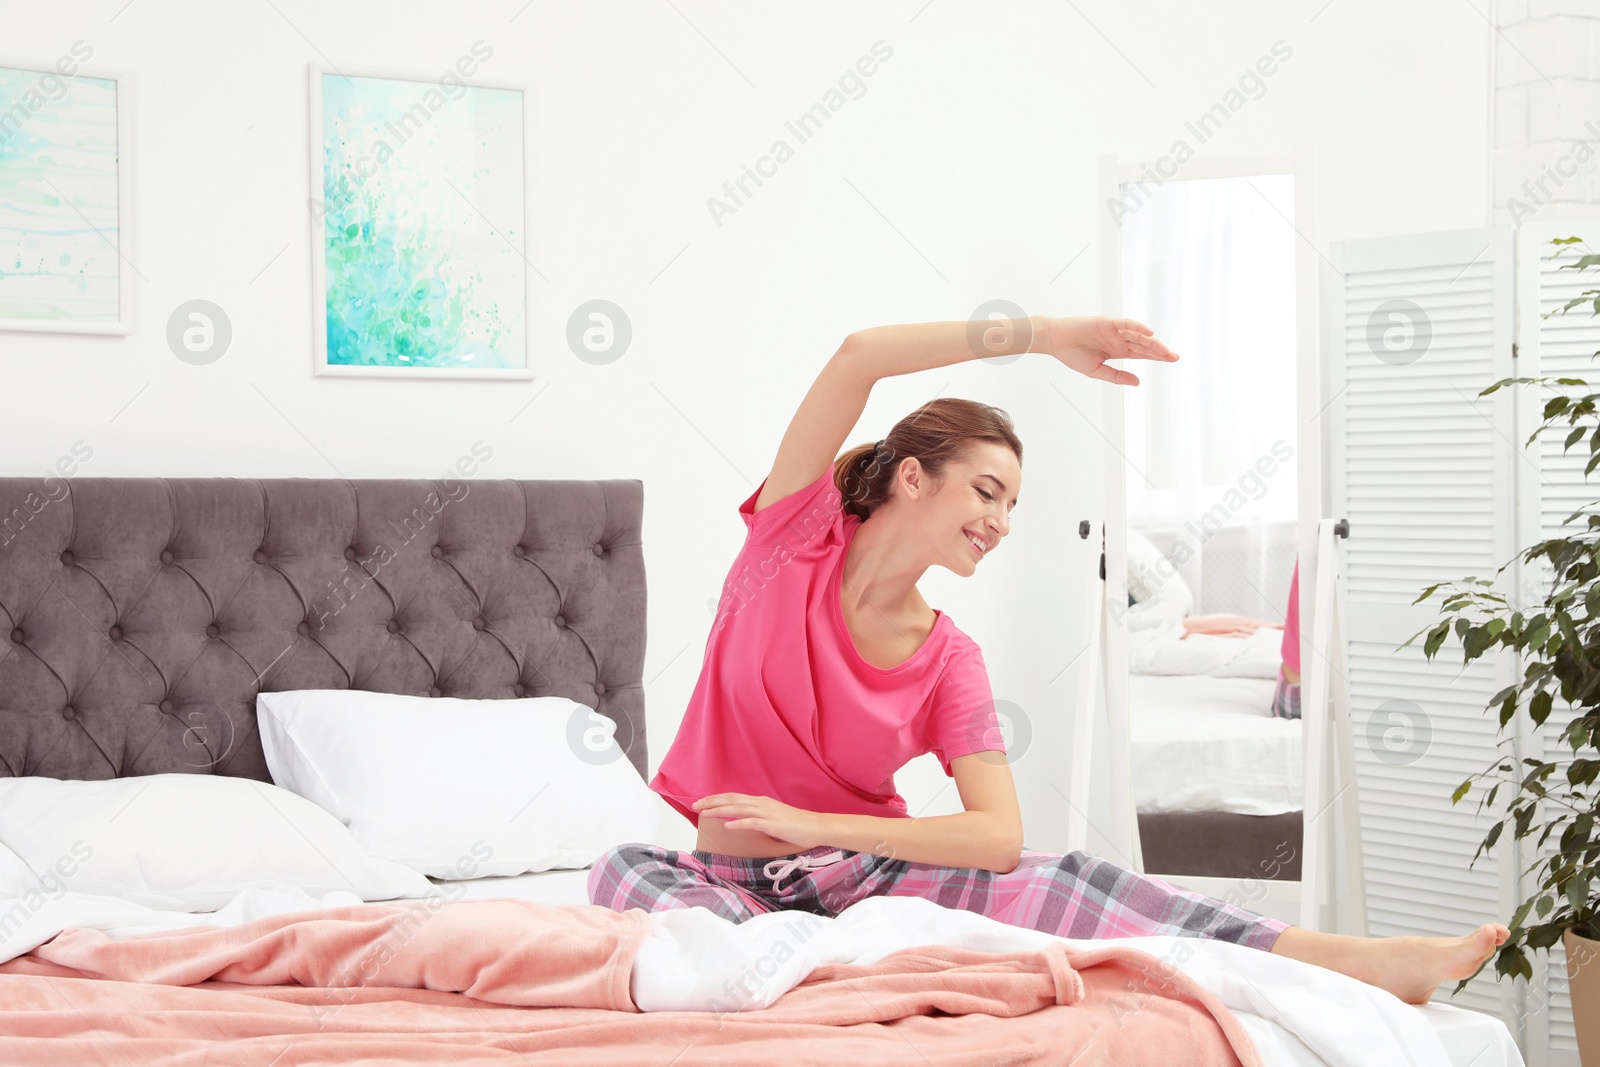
x: 1578, y: 891
x: 1461, y: 791
x: 1536, y: 635
x: 1508, y: 709
x: 1568, y: 631
x: 1545, y: 935
x: 1524, y: 819
x: 1539, y: 707
x: 1436, y: 638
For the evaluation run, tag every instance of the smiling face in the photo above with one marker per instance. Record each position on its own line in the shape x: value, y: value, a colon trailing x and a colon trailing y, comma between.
x: 973, y: 504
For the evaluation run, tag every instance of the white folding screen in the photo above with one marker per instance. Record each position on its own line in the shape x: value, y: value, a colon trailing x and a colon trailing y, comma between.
x: 1422, y: 467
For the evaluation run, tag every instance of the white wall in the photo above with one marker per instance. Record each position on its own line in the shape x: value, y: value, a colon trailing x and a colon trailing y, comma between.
x: 1547, y: 108
x: 967, y: 171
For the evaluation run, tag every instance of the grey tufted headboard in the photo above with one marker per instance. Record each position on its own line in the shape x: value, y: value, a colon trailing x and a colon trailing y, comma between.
x: 142, y: 615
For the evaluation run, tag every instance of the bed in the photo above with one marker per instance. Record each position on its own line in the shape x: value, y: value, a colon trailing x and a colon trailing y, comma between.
x: 146, y: 615
x: 1217, y: 778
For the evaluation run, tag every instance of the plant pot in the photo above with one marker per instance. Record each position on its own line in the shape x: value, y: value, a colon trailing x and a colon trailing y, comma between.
x: 1583, y: 980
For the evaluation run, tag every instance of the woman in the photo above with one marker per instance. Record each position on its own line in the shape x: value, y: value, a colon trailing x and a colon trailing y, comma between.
x: 1286, y: 698
x: 826, y: 672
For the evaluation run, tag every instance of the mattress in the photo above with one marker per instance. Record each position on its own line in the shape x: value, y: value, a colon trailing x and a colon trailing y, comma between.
x: 1199, y: 743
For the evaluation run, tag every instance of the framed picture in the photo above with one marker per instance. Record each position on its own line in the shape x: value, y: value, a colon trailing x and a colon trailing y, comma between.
x: 418, y: 226
x: 65, y: 254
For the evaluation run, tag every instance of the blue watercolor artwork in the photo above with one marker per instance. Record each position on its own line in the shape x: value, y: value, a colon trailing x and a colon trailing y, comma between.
x: 422, y: 224
x: 59, y: 233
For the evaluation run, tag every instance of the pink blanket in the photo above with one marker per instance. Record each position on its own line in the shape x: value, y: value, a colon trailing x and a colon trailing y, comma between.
x: 500, y: 981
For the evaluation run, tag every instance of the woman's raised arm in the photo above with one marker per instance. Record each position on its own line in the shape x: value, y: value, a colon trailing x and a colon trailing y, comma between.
x: 1083, y: 343
x: 834, y: 403
x: 831, y: 408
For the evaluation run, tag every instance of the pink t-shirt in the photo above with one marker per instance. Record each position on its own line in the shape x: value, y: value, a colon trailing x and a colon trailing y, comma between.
x: 1291, y: 624
x: 786, y: 707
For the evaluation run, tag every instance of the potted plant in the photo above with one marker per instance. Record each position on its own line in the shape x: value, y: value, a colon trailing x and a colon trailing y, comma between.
x: 1559, y: 642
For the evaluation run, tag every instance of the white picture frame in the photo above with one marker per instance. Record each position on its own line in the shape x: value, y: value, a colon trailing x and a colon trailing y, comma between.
x: 507, y: 236
x: 119, y: 239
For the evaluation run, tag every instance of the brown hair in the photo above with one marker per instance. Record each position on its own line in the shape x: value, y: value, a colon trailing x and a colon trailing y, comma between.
x: 939, y: 431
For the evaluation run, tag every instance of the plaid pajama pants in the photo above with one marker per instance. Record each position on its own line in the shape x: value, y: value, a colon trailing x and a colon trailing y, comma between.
x: 1075, y: 895
x: 1286, y: 698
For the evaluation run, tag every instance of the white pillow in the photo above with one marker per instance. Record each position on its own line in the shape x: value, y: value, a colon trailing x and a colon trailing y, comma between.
x: 458, y: 788
x: 1161, y: 595
x: 16, y: 879
x: 186, y: 842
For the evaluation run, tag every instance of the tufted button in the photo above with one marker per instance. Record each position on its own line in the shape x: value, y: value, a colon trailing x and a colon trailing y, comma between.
x: 519, y: 551
x: 16, y: 636
x: 350, y: 552
x: 166, y: 707
x: 436, y: 552
x: 167, y: 556
x: 520, y: 689
x: 213, y: 630
x: 599, y: 689
x: 393, y: 626
x: 261, y: 555
x: 69, y: 713
x: 599, y: 549
x: 434, y: 692
x: 66, y: 557
x: 561, y: 620
x: 479, y: 623
x: 115, y: 633
x: 303, y: 628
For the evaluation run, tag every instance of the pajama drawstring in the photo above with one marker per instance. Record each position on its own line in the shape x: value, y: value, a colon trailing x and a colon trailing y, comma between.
x: 801, y: 862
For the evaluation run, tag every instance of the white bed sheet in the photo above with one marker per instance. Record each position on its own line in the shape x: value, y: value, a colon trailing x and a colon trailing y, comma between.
x: 545, y: 887
x: 1199, y: 743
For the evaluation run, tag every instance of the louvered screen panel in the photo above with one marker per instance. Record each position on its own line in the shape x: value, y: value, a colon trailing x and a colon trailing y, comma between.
x: 1418, y: 452
x: 1421, y: 468
x: 1416, y: 845
x: 1565, y: 345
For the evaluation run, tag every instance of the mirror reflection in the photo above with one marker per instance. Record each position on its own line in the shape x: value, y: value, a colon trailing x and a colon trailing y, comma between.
x: 1212, y: 575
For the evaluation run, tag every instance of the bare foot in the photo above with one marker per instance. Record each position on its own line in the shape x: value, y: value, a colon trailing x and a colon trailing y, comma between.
x: 1412, y: 967
x: 1409, y: 967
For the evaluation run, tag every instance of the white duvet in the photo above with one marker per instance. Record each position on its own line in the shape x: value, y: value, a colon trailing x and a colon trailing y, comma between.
x: 697, y: 961
x: 1163, y: 649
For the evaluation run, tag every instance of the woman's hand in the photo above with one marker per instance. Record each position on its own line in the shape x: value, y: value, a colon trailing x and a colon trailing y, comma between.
x: 1085, y: 343
x: 742, y: 811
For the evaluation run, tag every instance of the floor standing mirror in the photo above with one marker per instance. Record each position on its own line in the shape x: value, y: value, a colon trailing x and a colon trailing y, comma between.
x: 1211, y: 479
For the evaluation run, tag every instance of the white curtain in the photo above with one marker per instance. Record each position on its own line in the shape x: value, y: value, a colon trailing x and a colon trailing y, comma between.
x: 1209, y: 265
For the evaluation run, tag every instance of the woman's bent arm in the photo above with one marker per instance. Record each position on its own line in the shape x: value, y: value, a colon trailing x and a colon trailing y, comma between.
x: 987, y: 834
x: 965, y: 839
